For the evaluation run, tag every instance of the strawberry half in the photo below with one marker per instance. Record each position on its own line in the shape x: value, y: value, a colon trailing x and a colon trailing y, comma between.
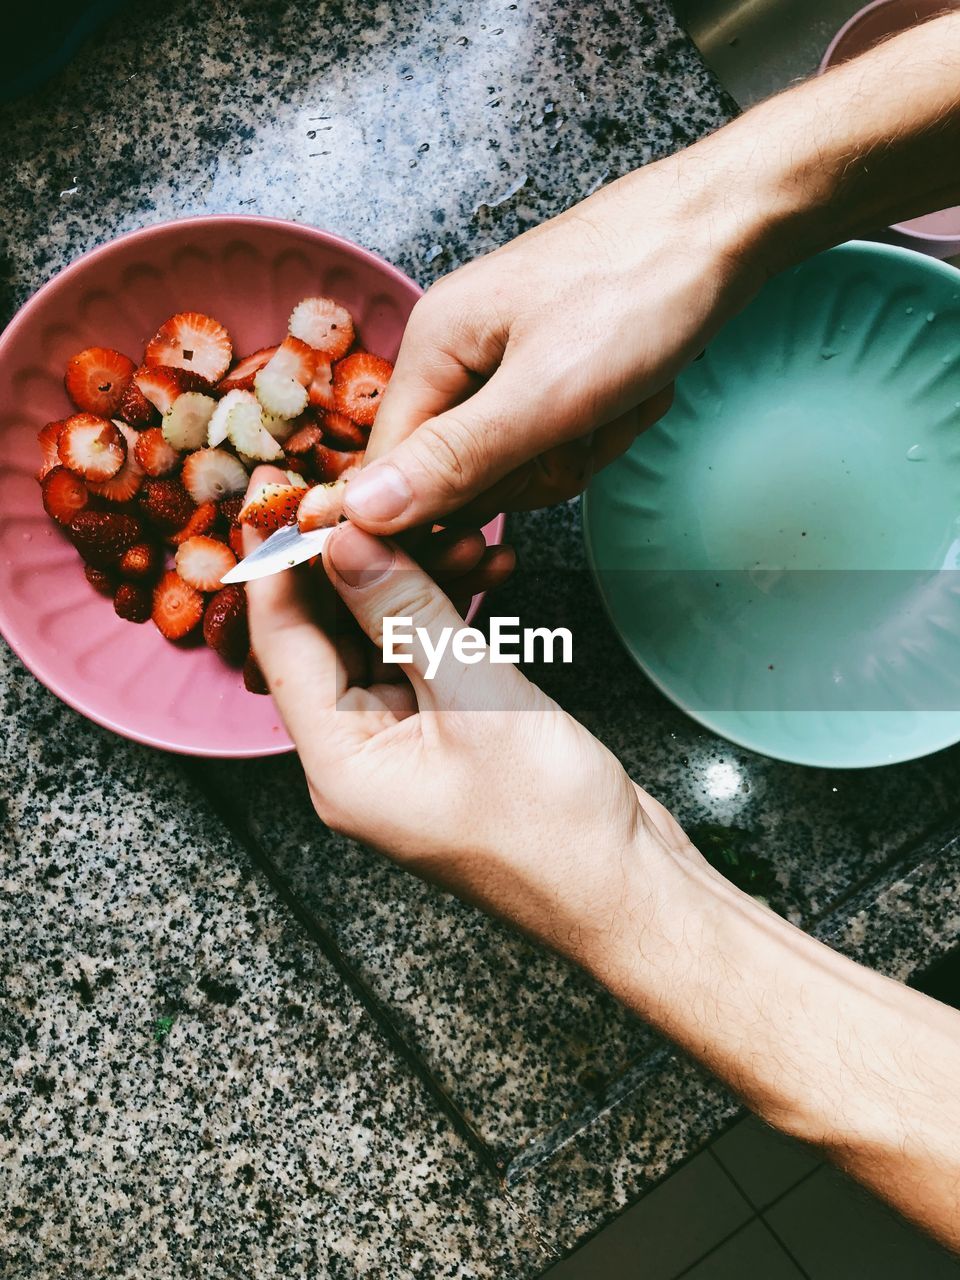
x: 322, y: 505
x: 127, y: 481
x: 101, y: 580
x: 329, y: 464
x: 133, y: 602
x: 192, y: 341
x: 324, y: 324
x: 320, y: 390
x: 303, y: 440
x: 240, y: 377
x: 101, y: 537
x: 47, y: 440
x: 342, y: 432
x: 211, y: 474
x: 202, y: 562
x: 92, y: 447
x: 96, y: 380
x: 64, y: 494
x: 166, y: 504
x: 201, y: 521
x: 155, y: 454
x: 161, y: 386
x: 135, y: 408
x: 271, y: 506
x: 253, y: 678
x: 177, y: 607
x: 142, y: 560
x: 359, y: 382
x: 225, y: 624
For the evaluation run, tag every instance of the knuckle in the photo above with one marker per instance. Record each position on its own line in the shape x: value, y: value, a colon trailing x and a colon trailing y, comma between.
x: 449, y: 455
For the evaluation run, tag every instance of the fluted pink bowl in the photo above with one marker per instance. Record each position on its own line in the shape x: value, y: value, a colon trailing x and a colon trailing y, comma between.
x: 249, y: 273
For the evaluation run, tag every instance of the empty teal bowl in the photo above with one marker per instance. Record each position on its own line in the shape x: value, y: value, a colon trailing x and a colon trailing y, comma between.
x: 781, y: 554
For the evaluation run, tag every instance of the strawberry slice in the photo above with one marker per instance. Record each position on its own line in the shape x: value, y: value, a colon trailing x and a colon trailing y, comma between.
x: 101, y: 537
x: 320, y: 390
x: 342, y: 432
x: 96, y: 380
x: 225, y: 624
x: 217, y: 426
x: 101, y: 580
x: 142, y: 560
x: 166, y: 504
x: 322, y: 505
x: 281, y: 396
x: 359, y: 382
x: 135, y: 408
x: 133, y: 601
x: 185, y: 422
x: 324, y: 324
x: 203, y: 561
x: 47, y: 440
x: 303, y: 440
x: 156, y: 456
x: 177, y: 607
x: 191, y: 341
x: 64, y: 494
x: 127, y: 481
x: 247, y: 433
x: 161, y: 386
x: 240, y: 377
x: 253, y: 678
x: 212, y: 474
x: 328, y: 464
x: 293, y: 359
x: 203, y: 520
x: 271, y: 506
x: 92, y: 447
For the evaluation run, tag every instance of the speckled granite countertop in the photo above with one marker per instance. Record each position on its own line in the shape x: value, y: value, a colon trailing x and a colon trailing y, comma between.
x: 251, y: 1048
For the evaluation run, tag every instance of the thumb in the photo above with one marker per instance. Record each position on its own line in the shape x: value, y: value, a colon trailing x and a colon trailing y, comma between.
x: 450, y: 459
x: 398, y: 605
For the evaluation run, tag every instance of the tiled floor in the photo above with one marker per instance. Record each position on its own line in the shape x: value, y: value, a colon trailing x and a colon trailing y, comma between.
x: 756, y: 1206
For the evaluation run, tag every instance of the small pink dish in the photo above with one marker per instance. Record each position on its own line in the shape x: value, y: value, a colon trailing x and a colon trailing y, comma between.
x: 248, y: 272
x: 937, y: 234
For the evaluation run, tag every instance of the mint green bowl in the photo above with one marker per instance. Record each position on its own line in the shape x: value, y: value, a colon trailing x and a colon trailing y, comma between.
x: 781, y: 554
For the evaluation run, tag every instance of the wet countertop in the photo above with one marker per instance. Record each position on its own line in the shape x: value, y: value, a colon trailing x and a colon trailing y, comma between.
x: 239, y: 1043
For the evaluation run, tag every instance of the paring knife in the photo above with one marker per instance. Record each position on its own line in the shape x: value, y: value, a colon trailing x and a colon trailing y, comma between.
x: 282, y: 550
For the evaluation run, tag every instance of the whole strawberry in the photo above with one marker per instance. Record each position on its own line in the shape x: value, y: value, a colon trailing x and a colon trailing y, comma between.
x: 102, y: 537
x: 166, y: 503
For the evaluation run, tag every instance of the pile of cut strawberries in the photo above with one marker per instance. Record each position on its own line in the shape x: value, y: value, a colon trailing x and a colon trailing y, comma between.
x: 148, y: 478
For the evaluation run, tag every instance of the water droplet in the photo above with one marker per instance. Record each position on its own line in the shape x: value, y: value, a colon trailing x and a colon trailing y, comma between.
x: 931, y: 316
x: 413, y: 164
x: 916, y: 453
x: 462, y: 42
x: 28, y: 537
x: 828, y: 353
x: 433, y: 253
x: 311, y: 133
x: 909, y: 311
x: 497, y: 31
x: 424, y: 146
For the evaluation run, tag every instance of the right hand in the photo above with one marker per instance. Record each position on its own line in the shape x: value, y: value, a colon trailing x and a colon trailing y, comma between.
x: 529, y: 369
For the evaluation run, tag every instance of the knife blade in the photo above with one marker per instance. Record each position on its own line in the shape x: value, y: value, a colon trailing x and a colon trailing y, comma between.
x: 282, y: 550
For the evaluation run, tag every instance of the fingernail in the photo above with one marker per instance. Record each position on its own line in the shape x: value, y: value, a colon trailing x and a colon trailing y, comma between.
x: 378, y: 492
x: 359, y: 559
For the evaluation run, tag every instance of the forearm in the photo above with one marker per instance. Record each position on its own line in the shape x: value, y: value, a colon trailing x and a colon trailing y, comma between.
x: 822, y: 1048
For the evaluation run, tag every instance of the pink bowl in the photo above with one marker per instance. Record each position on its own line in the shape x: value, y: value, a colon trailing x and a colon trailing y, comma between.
x: 248, y: 272
x: 937, y: 234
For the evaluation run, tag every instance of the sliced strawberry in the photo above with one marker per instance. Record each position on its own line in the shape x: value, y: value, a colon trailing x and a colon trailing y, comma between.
x: 64, y: 494
x: 166, y: 503
x: 203, y: 520
x: 135, y: 408
x: 162, y: 385
x: 230, y: 508
x: 220, y: 418
x: 203, y: 561
x: 271, y: 506
x: 253, y: 678
x: 297, y: 480
x: 328, y: 464
x: 293, y: 359
x: 212, y: 474
x: 341, y: 432
x: 96, y: 380
x: 225, y: 624
x: 359, y: 382
x: 322, y: 506
x: 92, y: 447
x: 320, y: 390
x: 280, y: 395
x: 47, y: 440
x: 127, y: 481
x: 185, y: 422
x: 142, y: 560
x: 192, y: 341
x: 324, y: 324
x: 235, y: 540
x: 303, y: 440
x: 156, y: 456
x: 246, y: 431
x: 101, y: 580
x: 240, y: 377
x: 133, y: 601
x: 177, y: 607
x: 101, y: 537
